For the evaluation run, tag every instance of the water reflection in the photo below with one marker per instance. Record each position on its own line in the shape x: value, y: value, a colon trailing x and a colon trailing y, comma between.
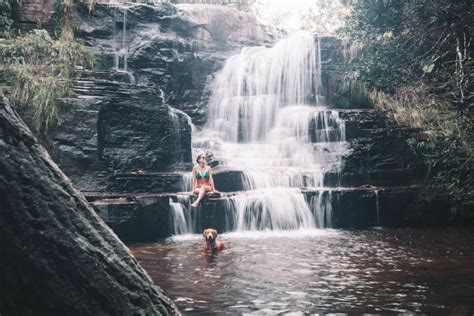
x: 318, y: 271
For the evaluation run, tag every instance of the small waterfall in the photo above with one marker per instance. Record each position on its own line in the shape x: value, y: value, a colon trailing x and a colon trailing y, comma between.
x: 322, y: 208
x: 274, y: 209
x: 182, y: 218
x: 180, y: 122
x: 121, y: 49
x: 267, y: 119
x: 319, y: 90
x: 187, y: 179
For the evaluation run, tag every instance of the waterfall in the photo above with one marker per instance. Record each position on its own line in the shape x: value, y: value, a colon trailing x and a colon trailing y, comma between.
x: 256, y: 83
x: 322, y: 206
x: 267, y: 119
x: 121, y: 50
x: 187, y: 178
x: 279, y: 208
x: 180, y: 122
x: 182, y: 218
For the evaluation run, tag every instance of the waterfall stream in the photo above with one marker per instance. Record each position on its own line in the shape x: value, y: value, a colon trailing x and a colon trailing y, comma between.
x: 121, y: 40
x: 267, y: 120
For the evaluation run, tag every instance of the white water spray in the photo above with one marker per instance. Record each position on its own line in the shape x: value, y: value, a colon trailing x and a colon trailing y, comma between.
x: 121, y: 47
x: 267, y: 120
x: 183, y: 222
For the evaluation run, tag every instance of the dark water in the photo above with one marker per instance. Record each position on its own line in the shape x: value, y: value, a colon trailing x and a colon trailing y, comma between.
x: 324, y: 271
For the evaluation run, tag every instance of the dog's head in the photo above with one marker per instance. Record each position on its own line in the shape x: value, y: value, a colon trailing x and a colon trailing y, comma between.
x: 210, y: 235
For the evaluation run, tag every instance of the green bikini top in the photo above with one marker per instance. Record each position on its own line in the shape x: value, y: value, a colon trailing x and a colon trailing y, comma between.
x: 200, y: 176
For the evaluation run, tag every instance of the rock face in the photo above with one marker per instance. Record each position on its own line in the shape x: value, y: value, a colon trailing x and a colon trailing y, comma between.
x: 133, y: 117
x: 34, y: 13
x: 140, y: 132
x: 116, y: 129
x: 380, y: 155
x: 56, y: 255
x: 175, y: 48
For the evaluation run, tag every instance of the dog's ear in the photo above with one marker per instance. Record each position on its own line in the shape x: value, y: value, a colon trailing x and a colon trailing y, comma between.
x: 214, y: 233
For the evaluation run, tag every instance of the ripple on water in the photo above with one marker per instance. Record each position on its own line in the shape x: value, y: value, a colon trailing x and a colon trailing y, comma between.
x: 317, y: 271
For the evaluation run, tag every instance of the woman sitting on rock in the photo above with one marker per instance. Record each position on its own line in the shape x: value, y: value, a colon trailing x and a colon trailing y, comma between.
x: 203, y: 184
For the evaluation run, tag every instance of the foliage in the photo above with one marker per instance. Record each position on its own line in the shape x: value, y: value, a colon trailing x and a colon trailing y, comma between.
x: 405, y: 42
x: 6, y: 20
x: 415, y: 60
x: 39, y: 69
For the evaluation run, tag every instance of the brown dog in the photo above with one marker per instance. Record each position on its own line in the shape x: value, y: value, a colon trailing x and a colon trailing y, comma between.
x: 213, y: 245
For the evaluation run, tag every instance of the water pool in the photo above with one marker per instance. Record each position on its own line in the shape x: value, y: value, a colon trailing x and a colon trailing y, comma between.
x: 318, y: 271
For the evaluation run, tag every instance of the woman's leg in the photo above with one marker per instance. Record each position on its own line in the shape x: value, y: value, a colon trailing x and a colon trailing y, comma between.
x: 202, y: 193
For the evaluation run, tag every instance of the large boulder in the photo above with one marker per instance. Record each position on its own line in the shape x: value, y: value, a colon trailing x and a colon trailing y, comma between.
x: 56, y: 255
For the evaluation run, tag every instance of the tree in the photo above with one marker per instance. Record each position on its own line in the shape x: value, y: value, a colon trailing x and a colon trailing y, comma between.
x: 416, y: 60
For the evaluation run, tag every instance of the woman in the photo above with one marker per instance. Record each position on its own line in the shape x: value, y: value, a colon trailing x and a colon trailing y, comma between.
x: 202, y: 180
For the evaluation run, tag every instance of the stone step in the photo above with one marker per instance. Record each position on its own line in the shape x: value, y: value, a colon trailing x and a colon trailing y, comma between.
x: 378, y: 177
x: 377, y: 174
x: 141, y: 182
x: 148, y: 217
x: 381, y: 174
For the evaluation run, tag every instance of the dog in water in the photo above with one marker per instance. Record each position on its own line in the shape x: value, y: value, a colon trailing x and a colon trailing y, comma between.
x: 212, y: 244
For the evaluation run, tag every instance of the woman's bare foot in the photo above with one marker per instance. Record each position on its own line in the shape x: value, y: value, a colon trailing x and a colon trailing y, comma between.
x: 194, y: 204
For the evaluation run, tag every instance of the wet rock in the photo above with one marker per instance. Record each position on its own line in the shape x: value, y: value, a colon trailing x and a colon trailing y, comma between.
x: 175, y: 48
x: 140, y: 132
x: 56, y: 255
x: 408, y: 206
x: 229, y: 180
x: 146, y: 182
x: 140, y: 119
x: 332, y: 59
x: 380, y: 154
x: 116, y: 129
x: 33, y: 14
x: 139, y: 220
x: 150, y: 216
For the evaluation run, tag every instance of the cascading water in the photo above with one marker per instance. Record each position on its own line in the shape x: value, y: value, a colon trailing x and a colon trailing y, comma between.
x: 322, y: 206
x: 267, y: 121
x: 121, y: 47
x: 183, y: 222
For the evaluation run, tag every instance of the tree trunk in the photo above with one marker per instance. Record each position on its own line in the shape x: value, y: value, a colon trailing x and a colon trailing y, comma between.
x: 56, y: 255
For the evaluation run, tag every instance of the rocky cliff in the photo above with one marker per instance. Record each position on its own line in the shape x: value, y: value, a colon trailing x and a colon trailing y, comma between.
x: 175, y: 48
x: 132, y: 114
x: 56, y: 255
